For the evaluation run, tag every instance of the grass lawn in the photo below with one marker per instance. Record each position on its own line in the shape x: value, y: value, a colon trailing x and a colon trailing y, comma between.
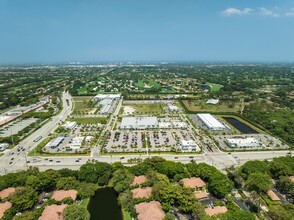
x: 214, y: 87
x: 140, y: 84
x: 154, y: 84
x: 81, y: 104
x: 200, y: 106
x: 90, y: 120
x: 83, y: 90
x: 126, y: 215
x: 85, y: 202
x: 143, y: 109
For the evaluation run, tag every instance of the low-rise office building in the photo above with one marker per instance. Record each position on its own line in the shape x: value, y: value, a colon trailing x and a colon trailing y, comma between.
x: 243, y: 142
x: 139, y: 123
x: 211, y: 122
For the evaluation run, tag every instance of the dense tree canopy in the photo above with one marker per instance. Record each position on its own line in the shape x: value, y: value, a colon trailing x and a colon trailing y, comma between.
x: 76, y: 212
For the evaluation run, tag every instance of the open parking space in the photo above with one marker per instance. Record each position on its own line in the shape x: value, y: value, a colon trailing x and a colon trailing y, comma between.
x: 14, y: 127
x: 265, y: 142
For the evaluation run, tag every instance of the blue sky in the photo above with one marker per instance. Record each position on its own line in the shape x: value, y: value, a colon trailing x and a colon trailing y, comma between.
x: 34, y: 31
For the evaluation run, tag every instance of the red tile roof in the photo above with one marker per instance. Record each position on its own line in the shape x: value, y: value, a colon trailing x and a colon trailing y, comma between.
x: 3, y: 207
x: 193, y: 182
x: 201, y: 195
x: 149, y: 211
x: 138, y: 180
x: 53, y: 212
x: 273, y: 196
x: 62, y: 194
x: 7, y: 192
x: 142, y: 192
x: 216, y: 210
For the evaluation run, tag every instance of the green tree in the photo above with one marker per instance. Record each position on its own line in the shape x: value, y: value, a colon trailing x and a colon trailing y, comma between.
x: 238, y: 214
x: 281, y: 212
x: 121, y: 180
x: 93, y: 170
x: 76, y: 212
x: 258, y: 182
x: 169, y: 216
x: 87, y: 189
x: 24, y: 198
x: 48, y: 179
x: 253, y: 166
x: 170, y: 168
x: 67, y: 183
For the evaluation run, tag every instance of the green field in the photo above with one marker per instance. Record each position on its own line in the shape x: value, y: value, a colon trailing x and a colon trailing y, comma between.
x: 90, y: 120
x: 146, y: 84
x: 83, y: 90
x: 200, y: 106
x: 143, y: 109
x: 81, y: 104
x: 214, y: 87
x: 140, y: 84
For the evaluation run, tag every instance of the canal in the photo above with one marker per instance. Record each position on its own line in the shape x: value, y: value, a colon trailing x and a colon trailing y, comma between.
x: 104, y: 205
x: 245, y: 129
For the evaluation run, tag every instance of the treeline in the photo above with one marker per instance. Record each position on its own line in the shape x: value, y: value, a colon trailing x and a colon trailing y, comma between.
x: 278, y: 121
x: 256, y: 176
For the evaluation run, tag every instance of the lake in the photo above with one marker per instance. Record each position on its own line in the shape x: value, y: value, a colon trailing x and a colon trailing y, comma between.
x: 245, y: 129
x: 103, y: 205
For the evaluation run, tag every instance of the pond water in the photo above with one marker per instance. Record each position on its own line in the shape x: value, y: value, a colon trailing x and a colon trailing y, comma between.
x: 245, y: 129
x: 103, y: 205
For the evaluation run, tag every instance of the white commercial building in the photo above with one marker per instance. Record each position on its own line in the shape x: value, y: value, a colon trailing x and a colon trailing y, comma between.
x: 76, y: 142
x: 107, y: 96
x: 69, y: 125
x: 3, y: 146
x: 212, y: 101
x: 106, y: 101
x: 173, y: 108
x: 243, y: 143
x: 189, y: 145
x: 139, y: 122
x: 211, y: 122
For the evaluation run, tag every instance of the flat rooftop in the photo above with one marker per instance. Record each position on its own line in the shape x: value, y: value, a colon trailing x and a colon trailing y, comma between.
x: 210, y: 121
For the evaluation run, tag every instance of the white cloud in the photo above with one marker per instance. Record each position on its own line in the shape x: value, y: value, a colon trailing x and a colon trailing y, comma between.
x: 235, y: 11
x: 266, y: 12
x: 290, y: 13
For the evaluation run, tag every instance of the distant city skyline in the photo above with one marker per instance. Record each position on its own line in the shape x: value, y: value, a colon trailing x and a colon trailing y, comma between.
x: 51, y: 31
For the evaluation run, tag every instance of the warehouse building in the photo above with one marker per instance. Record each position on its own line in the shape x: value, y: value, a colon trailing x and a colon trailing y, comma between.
x: 105, y: 101
x: 243, y: 142
x: 77, y: 142
x: 139, y: 123
x: 69, y: 125
x: 211, y: 122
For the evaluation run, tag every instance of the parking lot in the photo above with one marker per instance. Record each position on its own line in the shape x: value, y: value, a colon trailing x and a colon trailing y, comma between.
x: 141, y: 141
x: 267, y: 142
x: 14, y: 127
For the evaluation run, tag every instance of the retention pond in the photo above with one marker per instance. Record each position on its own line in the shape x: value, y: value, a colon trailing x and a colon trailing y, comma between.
x: 104, y: 205
x: 245, y: 129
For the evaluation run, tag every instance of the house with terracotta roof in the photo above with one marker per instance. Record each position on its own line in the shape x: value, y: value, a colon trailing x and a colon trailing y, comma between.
x: 138, y: 180
x: 5, y: 193
x: 142, y: 192
x: 291, y: 178
x: 273, y: 196
x: 216, y: 210
x: 53, y: 212
x: 59, y: 195
x: 3, y: 207
x: 149, y: 210
x: 194, y: 182
x: 198, y: 184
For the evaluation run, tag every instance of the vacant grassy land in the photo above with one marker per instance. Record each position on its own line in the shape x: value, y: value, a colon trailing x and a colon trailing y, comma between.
x: 214, y: 87
x: 200, y: 106
x: 83, y: 90
x: 140, y: 84
x: 81, y: 104
x: 143, y: 109
x: 90, y: 120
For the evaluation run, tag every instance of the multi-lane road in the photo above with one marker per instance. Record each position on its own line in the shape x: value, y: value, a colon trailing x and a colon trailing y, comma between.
x: 221, y: 160
x: 15, y: 159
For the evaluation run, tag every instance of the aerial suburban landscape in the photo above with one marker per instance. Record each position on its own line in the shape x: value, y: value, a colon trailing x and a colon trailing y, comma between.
x: 136, y: 110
